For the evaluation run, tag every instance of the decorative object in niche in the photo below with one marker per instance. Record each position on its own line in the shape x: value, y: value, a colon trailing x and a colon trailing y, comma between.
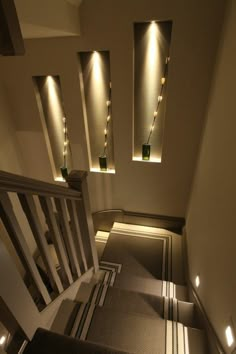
x: 146, y: 148
x: 96, y: 92
x: 151, y: 66
x: 104, y: 156
x: 146, y: 151
x: 52, y: 113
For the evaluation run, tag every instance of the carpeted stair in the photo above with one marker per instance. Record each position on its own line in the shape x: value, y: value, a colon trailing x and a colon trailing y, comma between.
x: 137, y: 302
x: 47, y: 342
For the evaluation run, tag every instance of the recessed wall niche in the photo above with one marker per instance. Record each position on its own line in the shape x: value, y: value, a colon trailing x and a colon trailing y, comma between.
x: 54, y: 122
x: 151, y: 62
x: 96, y: 88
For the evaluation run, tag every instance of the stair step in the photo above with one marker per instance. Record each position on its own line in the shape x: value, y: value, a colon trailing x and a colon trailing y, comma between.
x: 111, y: 327
x: 128, y: 332
x: 136, y: 333
x: 146, y: 251
x: 150, y: 286
x: 186, y: 314
x: 126, y: 300
x: 197, y: 341
x: 47, y: 342
x: 65, y: 317
x: 157, y: 306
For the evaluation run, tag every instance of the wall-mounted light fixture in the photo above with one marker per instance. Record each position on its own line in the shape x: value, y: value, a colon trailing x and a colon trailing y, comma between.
x: 229, y: 336
x: 197, y: 281
x: 3, y: 340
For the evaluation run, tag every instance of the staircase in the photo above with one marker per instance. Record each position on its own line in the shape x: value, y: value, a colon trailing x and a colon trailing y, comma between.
x: 136, y: 303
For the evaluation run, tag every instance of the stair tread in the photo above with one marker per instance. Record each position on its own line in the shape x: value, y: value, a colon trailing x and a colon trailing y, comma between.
x: 111, y: 327
x: 171, y: 253
x: 136, y: 302
x: 47, y: 342
x: 129, y: 332
x: 138, y: 255
x: 147, y: 285
x: 124, y: 300
x: 138, y: 333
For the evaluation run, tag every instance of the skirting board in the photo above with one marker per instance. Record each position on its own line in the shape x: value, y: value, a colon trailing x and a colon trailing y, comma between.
x: 103, y: 220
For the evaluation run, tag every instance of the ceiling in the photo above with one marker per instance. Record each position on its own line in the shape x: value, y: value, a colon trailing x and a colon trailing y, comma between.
x: 48, y: 18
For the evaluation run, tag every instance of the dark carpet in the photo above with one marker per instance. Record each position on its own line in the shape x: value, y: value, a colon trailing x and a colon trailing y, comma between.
x: 139, y: 256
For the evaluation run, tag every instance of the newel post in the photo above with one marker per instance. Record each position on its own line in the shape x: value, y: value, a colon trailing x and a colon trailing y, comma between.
x: 78, y: 180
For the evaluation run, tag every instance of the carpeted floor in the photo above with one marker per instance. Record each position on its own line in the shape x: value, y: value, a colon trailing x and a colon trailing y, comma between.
x: 139, y: 256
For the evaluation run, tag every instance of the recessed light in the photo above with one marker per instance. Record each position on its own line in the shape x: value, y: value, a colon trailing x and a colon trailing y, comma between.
x: 2, y: 340
x: 229, y: 336
x: 197, y: 281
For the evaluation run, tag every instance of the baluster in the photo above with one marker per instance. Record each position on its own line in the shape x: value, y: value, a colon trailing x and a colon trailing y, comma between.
x: 47, y: 208
x: 29, y: 207
x: 68, y: 238
x: 76, y: 231
x: 81, y: 215
x: 13, y: 228
x: 77, y: 180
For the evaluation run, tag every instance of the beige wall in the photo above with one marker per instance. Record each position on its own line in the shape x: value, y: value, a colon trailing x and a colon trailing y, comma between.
x: 211, y: 213
x: 43, y: 18
x: 10, y: 159
x: 108, y: 25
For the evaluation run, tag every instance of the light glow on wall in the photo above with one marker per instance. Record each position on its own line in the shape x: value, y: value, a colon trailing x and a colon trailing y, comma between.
x: 53, y: 97
x: 229, y: 336
x: 97, y: 67
x: 98, y: 84
x: 152, y: 48
x: 151, y: 60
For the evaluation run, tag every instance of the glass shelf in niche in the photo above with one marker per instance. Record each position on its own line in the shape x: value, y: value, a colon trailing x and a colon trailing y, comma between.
x: 98, y: 170
x: 151, y: 160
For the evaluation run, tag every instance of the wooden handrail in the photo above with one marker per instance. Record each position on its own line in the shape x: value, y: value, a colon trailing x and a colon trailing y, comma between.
x: 15, y: 183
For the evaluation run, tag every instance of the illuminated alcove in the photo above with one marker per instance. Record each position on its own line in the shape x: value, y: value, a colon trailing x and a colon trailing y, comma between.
x: 50, y: 104
x: 96, y: 89
x: 151, y: 63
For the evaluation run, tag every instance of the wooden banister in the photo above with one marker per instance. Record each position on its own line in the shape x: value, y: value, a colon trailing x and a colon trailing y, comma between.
x: 29, y: 208
x: 14, y: 183
x: 14, y: 230
x: 60, y: 221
